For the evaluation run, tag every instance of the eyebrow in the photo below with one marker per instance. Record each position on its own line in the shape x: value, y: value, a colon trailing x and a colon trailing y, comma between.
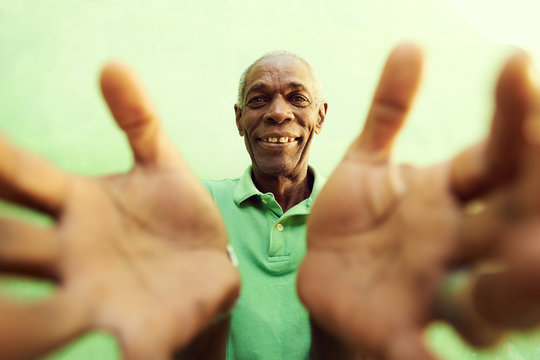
x: 261, y: 86
x: 255, y: 87
x: 297, y: 86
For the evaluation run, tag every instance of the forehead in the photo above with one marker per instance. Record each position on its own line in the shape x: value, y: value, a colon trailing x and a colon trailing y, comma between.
x: 278, y: 72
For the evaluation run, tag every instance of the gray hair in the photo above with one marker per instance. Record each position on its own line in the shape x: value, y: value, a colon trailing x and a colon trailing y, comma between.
x: 318, y: 95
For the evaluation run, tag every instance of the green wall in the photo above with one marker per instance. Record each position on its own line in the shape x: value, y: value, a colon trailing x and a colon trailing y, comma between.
x: 190, y: 54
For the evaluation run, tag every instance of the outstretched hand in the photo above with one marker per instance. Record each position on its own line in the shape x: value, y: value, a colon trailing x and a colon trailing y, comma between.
x: 382, y: 236
x: 142, y: 254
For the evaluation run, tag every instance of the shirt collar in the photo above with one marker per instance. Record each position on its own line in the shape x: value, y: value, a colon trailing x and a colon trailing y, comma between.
x: 246, y: 188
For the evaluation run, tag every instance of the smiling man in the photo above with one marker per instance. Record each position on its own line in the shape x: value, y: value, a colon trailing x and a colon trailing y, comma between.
x: 143, y: 254
x: 279, y: 112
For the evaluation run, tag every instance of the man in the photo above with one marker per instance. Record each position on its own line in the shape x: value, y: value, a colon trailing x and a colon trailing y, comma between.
x: 279, y: 111
x: 143, y: 254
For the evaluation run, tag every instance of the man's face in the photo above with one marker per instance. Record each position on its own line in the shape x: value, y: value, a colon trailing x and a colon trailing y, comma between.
x: 280, y: 116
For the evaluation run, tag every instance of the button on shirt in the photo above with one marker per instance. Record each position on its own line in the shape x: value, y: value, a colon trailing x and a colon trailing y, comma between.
x: 268, y: 322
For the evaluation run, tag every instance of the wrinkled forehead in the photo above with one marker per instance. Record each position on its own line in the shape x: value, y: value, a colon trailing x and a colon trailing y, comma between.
x: 279, y: 72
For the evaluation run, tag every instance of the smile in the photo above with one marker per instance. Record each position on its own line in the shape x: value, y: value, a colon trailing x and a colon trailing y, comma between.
x: 281, y: 140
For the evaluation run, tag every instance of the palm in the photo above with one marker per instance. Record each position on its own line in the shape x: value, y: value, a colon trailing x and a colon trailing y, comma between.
x: 384, y: 277
x: 141, y: 254
x: 150, y: 256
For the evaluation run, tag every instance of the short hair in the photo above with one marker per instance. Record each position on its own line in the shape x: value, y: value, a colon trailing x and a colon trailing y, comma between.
x: 242, y: 84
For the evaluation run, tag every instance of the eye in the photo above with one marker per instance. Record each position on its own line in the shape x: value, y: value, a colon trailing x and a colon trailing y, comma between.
x: 256, y: 101
x: 299, y: 100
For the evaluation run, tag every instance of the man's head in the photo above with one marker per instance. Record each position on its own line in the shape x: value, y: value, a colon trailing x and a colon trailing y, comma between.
x: 279, y: 110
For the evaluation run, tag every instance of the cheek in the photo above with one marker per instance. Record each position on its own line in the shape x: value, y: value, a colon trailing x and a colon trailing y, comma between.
x: 248, y: 143
x: 247, y: 126
x: 312, y: 124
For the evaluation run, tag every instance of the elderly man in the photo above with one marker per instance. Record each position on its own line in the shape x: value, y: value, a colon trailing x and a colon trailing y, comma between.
x: 279, y: 112
x: 143, y: 254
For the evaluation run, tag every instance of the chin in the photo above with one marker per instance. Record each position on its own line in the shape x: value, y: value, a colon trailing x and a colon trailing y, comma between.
x: 275, y: 168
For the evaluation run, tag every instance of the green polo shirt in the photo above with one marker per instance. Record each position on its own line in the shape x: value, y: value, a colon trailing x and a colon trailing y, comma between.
x: 268, y: 322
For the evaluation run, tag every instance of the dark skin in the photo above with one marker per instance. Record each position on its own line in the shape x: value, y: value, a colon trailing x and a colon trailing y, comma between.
x: 382, y: 236
x: 281, y: 102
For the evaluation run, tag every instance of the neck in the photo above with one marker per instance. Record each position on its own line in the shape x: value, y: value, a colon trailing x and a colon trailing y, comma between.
x: 288, y: 190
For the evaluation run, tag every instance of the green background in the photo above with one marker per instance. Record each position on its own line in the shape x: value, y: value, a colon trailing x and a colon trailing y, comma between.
x: 190, y: 55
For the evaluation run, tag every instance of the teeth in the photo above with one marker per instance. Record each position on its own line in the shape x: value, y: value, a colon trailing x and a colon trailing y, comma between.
x: 281, y: 140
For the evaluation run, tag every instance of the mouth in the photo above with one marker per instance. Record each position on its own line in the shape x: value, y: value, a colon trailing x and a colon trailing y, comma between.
x: 278, y: 140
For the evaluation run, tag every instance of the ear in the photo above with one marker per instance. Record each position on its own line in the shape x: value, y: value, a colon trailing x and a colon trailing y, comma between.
x: 238, y: 114
x: 322, y: 115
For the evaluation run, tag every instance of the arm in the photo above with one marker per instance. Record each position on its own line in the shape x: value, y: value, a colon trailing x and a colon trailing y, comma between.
x: 379, y: 251
x: 142, y: 255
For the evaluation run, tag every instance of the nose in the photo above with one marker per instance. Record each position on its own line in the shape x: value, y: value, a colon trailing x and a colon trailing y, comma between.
x: 278, y: 111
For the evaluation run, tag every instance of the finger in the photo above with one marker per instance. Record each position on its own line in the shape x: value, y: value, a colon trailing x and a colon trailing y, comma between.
x: 393, y: 98
x: 28, y: 249
x: 476, y: 170
x: 135, y: 114
x: 33, y: 329
x: 502, y: 291
x: 455, y: 304
x: 499, y: 221
x: 30, y: 181
x: 511, y: 297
